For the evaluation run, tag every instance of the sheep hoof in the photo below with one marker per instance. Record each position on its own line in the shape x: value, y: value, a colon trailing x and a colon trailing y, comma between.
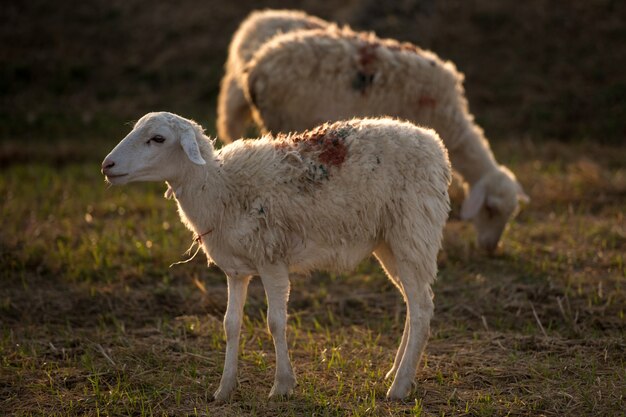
x: 282, y: 390
x: 398, y: 391
x: 222, y: 395
x: 276, y: 394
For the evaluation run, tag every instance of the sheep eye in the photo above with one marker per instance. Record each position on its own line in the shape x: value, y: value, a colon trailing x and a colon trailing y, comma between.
x: 157, y: 139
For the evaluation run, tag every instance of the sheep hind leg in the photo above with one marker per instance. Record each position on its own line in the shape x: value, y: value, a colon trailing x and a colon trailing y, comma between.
x: 233, y: 110
x: 420, y: 309
x: 388, y: 262
x: 276, y: 284
x: 237, y: 290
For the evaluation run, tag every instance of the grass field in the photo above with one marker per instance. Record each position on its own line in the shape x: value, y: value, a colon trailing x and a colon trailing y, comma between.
x: 95, y: 322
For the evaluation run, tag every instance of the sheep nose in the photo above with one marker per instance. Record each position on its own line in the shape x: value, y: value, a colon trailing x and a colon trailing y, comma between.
x: 107, y: 165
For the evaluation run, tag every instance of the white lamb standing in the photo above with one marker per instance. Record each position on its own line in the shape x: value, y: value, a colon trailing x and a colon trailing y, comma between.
x: 233, y: 110
x: 303, y: 78
x: 323, y: 199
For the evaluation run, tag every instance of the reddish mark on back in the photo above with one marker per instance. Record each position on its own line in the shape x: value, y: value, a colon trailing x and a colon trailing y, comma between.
x: 334, y: 152
x: 366, y: 66
x: 427, y: 101
x: 327, y: 140
x: 367, y: 55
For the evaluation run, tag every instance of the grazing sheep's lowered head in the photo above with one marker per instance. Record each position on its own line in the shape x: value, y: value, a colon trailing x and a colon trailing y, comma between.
x: 491, y: 203
x: 158, y: 144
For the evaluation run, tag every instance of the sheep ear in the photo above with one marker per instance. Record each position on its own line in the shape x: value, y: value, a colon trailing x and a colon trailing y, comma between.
x: 190, y: 145
x: 473, y: 203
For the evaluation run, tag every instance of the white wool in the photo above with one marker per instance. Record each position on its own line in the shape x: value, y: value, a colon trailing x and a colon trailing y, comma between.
x: 322, y: 199
x: 233, y: 111
x: 303, y: 78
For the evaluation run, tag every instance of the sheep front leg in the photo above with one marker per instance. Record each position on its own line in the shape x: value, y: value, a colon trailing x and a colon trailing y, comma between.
x: 276, y: 283
x: 237, y: 290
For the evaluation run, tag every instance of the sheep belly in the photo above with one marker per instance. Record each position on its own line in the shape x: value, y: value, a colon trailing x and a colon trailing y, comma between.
x: 345, y: 257
x: 303, y: 258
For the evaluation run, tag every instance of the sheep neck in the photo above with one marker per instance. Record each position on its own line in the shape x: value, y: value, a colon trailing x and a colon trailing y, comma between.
x: 198, y: 191
x: 468, y: 148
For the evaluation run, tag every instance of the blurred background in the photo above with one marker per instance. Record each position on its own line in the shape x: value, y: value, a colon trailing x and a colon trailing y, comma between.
x: 82, y: 69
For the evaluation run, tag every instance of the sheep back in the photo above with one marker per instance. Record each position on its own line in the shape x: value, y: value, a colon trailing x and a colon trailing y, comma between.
x: 337, y: 189
x: 301, y: 79
x: 259, y: 27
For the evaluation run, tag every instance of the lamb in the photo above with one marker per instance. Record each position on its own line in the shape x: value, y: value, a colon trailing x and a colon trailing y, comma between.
x: 322, y: 199
x: 233, y: 111
x: 301, y: 79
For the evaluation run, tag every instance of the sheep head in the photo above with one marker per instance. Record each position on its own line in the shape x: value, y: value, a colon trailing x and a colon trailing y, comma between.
x: 492, y: 202
x: 159, y: 144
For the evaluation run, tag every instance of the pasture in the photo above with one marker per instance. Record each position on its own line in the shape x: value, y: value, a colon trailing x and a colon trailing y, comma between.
x: 94, y: 320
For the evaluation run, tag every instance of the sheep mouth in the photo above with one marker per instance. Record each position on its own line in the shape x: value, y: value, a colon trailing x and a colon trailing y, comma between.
x: 110, y: 177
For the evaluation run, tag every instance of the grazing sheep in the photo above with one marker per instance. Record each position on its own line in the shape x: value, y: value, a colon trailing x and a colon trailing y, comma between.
x: 233, y: 111
x: 322, y: 199
x: 301, y: 79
